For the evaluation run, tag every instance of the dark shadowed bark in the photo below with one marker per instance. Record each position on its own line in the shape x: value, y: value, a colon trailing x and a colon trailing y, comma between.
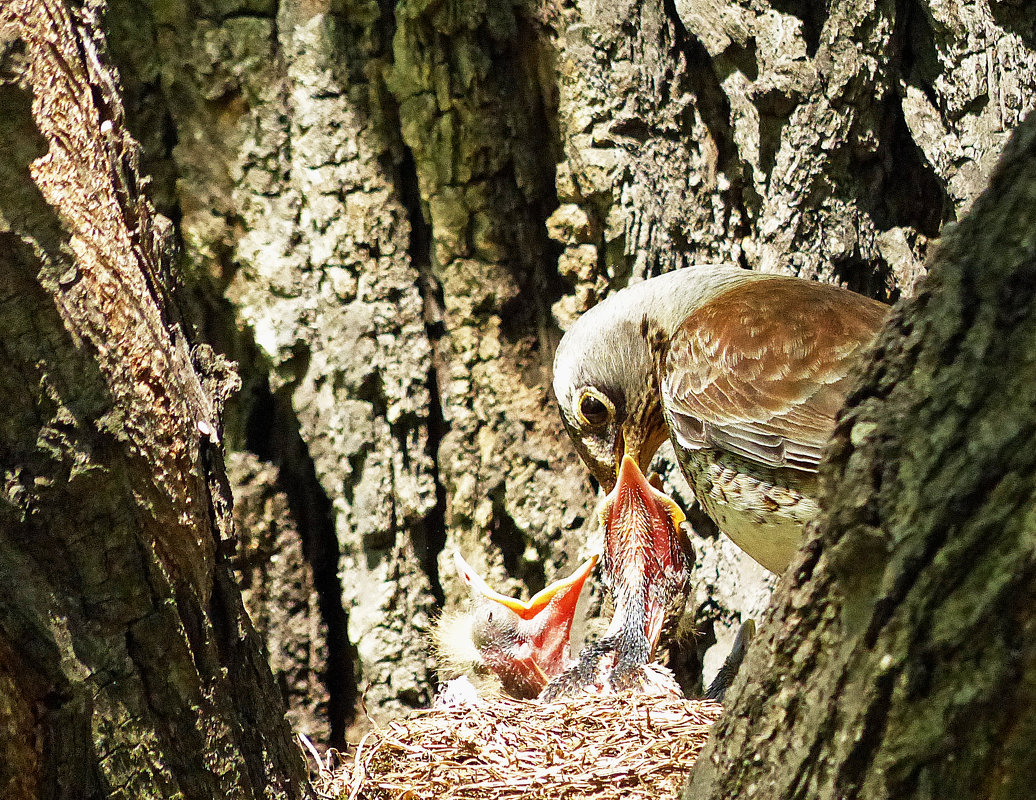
x: 128, y: 666
x: 899, y: 660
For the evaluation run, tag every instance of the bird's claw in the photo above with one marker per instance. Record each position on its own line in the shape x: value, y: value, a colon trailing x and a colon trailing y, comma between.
x: 725, y: 677
x: 578, y: 677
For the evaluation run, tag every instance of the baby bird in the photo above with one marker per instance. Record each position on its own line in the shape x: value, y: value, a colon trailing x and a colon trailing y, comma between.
x: 503, y: 645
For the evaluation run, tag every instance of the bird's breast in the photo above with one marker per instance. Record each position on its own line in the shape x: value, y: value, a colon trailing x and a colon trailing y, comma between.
x: 762, y: 510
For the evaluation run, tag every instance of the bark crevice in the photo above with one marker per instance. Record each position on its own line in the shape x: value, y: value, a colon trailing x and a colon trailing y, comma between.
x: 272, y: 433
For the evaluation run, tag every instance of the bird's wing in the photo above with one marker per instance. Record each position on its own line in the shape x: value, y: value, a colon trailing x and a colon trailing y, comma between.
x: 760, y: 371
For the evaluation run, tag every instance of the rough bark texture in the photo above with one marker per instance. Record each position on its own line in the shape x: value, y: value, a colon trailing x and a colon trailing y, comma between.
x: 390, y: 211
x: 899, y: 660
x: 292, y: 212
x: 388, y: 285
x: 128, y: 666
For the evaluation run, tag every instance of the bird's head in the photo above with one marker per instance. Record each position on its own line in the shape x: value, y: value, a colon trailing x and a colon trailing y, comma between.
x: 604, y: 396
x: 605, y: 379
x: 523, y: 643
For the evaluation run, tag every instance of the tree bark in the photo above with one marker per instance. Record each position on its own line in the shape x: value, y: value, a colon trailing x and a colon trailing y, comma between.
x: 899, y: 659
x: 128, y: 666
x: 389, y: 280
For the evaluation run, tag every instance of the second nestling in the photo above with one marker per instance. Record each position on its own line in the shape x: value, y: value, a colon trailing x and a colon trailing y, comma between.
x: 500, y: 644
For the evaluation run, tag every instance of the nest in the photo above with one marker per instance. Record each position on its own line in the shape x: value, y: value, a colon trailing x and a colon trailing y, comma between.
x: 624, y: 745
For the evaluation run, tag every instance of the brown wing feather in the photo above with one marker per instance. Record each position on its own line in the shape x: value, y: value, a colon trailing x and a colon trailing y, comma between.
x: 760, y: 371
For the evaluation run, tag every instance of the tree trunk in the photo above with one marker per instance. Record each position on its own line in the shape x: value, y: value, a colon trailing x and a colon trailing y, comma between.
x: 389, y: 280
x: 128, y: 666
x: 899, y: 659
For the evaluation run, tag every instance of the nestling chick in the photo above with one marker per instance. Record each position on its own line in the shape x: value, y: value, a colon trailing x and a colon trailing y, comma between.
x: 505, y: 645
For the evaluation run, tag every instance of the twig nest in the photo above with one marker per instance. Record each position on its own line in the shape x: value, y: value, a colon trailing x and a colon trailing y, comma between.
x: 624, y: 745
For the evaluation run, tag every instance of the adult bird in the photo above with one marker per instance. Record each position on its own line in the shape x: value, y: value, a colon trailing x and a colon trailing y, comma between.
x: 744, y: 373
x: 505, y: 645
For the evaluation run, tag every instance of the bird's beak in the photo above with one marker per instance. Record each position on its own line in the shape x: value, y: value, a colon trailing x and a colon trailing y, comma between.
x: 644, y: 543
x: 562, y: 595
x: 538, y: 648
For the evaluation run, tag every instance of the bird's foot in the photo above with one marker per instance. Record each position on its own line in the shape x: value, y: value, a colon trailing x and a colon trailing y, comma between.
x: 718, y: 688
x: 578, y: 678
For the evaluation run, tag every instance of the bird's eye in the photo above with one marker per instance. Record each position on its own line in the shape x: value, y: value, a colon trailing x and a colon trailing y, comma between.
x: 593, y: 408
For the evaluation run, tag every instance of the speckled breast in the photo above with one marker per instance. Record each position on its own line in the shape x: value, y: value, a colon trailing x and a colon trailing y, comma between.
x: 762, y: 510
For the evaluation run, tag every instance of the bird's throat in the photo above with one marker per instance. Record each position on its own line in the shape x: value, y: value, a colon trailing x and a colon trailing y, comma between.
x: 644, y: 547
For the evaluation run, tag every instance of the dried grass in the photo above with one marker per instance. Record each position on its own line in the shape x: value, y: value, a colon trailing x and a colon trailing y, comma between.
x: 625, y: 745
